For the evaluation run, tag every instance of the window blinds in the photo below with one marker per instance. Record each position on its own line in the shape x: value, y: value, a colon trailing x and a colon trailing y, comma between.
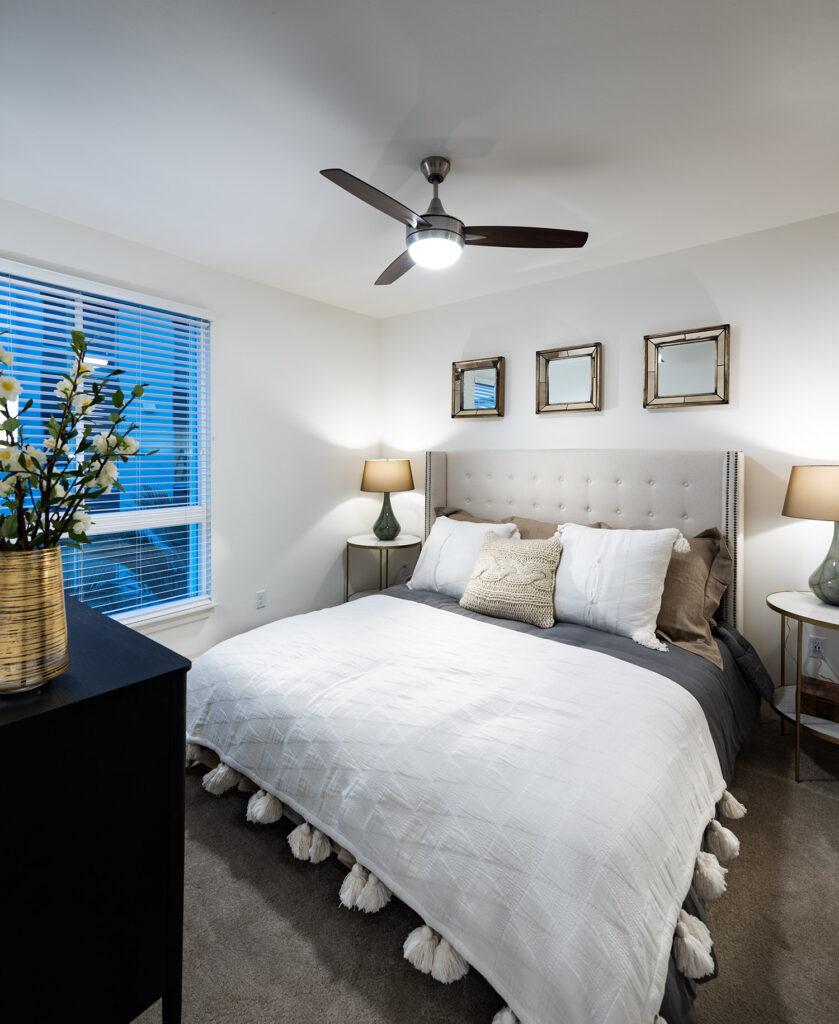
x: 150, y: 550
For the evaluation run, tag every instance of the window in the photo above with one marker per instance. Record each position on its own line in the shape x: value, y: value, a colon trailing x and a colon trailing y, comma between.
x: 150, y: 550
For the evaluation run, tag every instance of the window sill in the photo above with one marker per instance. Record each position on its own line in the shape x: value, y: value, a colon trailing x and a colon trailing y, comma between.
x: 166, y: 618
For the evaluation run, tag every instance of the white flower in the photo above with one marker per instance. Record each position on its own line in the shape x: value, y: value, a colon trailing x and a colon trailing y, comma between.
x: 5, y: 357
x: 58, y: 491
x: 107, y: 477
x: 51, y: 444
x: 32, y: 454
x: 10, y: 458
x: 128, y: 446
x: 6, y: 487
x: 80, y: 402
x: 103, y: 443
x: 81, y: 521
x: 9, y: 387
x: 83, y: 369
x: 63, y: 389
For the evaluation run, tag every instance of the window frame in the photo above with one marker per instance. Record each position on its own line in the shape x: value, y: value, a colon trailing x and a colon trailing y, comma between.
x: 149, y: 518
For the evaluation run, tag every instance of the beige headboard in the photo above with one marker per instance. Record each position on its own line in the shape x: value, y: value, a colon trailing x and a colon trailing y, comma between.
x: 692, y: 490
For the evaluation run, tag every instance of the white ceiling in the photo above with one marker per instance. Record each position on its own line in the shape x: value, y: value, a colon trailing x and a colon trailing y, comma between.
x: 199, y: 126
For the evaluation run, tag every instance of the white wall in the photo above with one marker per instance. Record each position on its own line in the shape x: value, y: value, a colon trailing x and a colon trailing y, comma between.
x: 778, y: 289
x: 295, y: 410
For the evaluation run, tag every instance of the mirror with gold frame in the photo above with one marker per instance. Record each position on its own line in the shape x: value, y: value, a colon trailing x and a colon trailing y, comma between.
x: 568, y: 379
x: 686, y: 368
x: 478, y: 387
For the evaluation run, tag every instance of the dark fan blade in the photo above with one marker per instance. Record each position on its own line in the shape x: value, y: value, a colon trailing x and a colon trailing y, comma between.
x: 366, y: 193
x: 401, y: 265
x: 526, y: 238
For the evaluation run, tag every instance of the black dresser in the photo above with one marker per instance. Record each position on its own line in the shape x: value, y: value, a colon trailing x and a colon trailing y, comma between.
x: 92, y: 832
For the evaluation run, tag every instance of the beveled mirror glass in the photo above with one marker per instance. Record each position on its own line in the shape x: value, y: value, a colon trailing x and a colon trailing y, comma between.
x: 568, y: 379
x: 688, y: 368
x: 478, y: 387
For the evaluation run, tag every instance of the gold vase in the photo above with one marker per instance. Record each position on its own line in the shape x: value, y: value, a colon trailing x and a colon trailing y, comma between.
x: 33, y: 627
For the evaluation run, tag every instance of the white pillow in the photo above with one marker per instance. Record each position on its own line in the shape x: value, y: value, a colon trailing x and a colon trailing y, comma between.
x: 448, y: 556
x: 613, y: 579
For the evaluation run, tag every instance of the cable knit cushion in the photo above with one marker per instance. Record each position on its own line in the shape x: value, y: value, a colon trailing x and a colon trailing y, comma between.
x: 514, y: 579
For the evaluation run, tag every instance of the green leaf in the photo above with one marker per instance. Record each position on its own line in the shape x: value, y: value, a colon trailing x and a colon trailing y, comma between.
x: 8, y: 527
x: 10, y: 424
x: 138, y: 390
x: 114, y: 417
x: 119, y: 486
x: 27, y: 405
x: 118, y: 398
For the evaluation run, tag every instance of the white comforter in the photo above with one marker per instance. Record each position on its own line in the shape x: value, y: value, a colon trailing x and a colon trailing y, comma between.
x: 539, y: 805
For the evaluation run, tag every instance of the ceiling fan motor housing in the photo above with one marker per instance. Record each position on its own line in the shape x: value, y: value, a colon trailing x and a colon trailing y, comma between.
x: 442, y: 226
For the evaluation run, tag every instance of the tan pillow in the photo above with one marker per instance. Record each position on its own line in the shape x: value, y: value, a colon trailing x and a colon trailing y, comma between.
x: 529, y: 529
x: 461, y: 515
x: 514, y: 579
x: 693, y: 589
x: 532, y: 529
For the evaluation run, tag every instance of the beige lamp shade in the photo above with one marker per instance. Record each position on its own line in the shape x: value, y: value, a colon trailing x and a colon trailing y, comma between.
x: 387, y: 475
x: 813, y: 493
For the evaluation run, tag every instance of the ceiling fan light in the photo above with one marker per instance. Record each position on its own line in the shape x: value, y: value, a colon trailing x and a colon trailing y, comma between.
x: 435, y: 252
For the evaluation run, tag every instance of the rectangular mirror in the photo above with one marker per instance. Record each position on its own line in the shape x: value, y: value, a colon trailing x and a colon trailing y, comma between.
x: 688, y: 368
x: 568, y: 379
x: 478, y: 387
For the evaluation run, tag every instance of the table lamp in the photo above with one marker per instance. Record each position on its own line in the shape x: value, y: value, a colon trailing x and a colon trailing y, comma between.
x: 387, y: 475
x: 813, y: 493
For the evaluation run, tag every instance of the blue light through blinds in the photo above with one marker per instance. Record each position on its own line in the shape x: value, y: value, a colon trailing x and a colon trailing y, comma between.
x: 484, y: 395
x: 151, y: 545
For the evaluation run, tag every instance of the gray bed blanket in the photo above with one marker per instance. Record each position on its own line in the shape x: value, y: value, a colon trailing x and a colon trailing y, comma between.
x: 729, y: 698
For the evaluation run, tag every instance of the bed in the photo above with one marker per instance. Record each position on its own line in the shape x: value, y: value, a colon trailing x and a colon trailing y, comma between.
x: 548, y: 800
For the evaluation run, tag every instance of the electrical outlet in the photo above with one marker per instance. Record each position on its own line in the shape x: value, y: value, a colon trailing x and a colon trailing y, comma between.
x: 260, y: 599
x: 816, y: 648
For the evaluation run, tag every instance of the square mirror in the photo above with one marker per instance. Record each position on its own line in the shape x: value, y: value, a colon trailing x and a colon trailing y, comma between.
x: 688, y: 368
x: 568, y: 379
x: 478, y: 387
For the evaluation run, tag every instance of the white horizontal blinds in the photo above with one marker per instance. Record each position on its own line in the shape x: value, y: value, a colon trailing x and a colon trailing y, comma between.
x: 150, y: 544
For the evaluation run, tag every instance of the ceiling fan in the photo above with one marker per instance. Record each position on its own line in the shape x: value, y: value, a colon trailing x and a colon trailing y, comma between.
x: 436, y: 239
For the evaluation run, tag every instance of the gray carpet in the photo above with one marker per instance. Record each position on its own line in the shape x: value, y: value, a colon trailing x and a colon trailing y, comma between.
x: 266, y: 941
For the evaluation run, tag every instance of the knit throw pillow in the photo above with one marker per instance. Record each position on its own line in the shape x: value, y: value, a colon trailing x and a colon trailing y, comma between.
x: 514, y: 579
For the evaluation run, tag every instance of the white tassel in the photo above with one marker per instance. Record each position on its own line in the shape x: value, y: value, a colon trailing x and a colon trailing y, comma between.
x: 691, y: 957
x: 649, y: 640
x: 730, y: 806
x: 320, y: 847
x: 374, y: 896
x: 505, y: 1016
x: 419, y: 948
x: 722, y: 842
x: 448, y: 965
x: 220, y: 779
x: 300, y: 841
x: 698, y: 929
x: 264, y: 809
x: 709, y: 877
x: 246, y: 786
x: 352, y: 886
x: 193, y: 753
x: 682, y: 544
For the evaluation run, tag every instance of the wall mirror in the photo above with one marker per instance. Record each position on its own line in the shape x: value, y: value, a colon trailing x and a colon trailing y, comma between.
x: 568, y: 379
x: 688, y: 368
x: 478, y: 387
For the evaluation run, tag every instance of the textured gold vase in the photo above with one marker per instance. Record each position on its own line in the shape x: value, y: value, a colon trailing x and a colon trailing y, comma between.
x: 33, y: 627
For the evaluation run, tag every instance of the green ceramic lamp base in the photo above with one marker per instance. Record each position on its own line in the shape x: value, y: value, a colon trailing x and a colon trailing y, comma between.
x: 825, y: 580
x: 387, y: 525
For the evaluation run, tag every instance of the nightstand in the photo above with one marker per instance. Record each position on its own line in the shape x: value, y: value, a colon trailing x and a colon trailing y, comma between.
x: 92, y: 857
x: 802, y: 606
x: 371, y: 542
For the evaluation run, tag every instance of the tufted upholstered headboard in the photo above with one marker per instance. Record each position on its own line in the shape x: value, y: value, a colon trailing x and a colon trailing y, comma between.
x: 691, y: 490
